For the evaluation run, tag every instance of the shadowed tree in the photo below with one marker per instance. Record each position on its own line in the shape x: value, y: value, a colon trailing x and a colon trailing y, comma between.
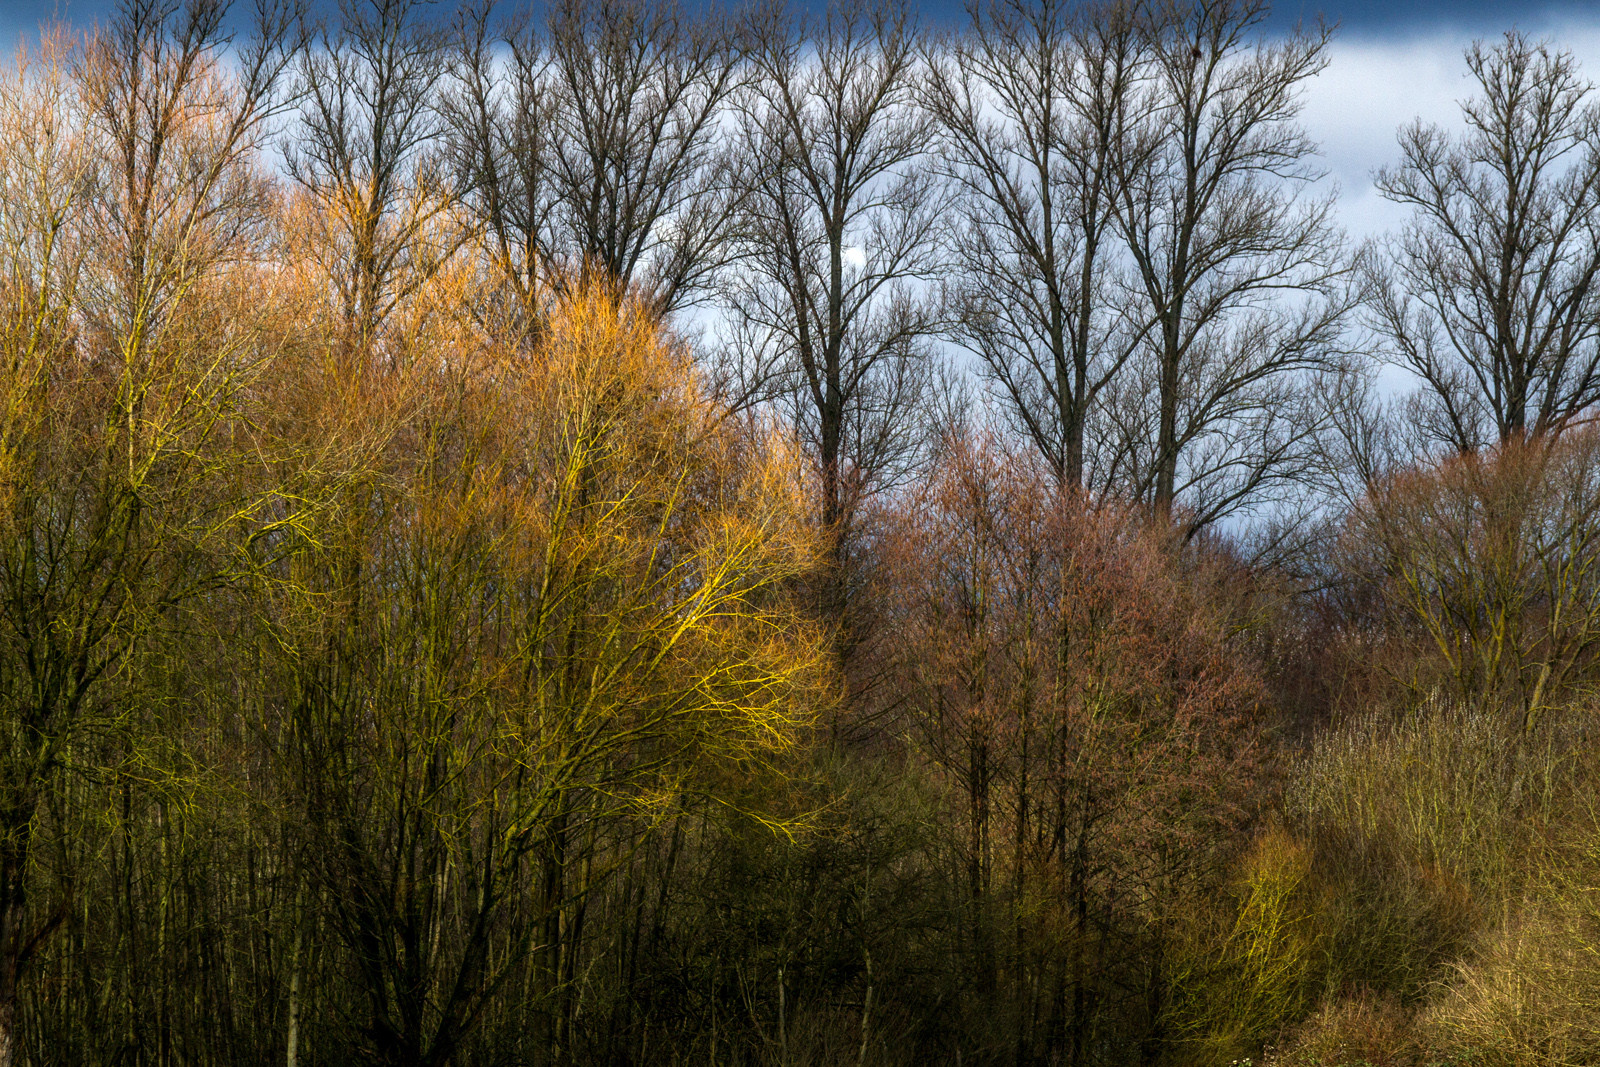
x: 594, y: 144
x: 840, y: 229
x: 648, y: 190
x: 501, y: 113
x: 1084, y: 683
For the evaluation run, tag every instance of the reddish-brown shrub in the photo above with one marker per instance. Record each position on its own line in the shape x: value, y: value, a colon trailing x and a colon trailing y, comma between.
x: 1071, y: 669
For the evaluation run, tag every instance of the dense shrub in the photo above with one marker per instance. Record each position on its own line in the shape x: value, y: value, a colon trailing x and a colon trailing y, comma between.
x: 1357, y: 1030
x: 1479, y: 577
x: 1529, y: 992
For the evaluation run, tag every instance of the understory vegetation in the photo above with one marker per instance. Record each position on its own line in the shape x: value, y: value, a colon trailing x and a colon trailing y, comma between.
x: 616, y: 534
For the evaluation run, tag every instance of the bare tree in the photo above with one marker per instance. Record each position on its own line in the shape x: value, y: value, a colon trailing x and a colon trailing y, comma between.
x: 1239, y: 272
x: 648, y: 192
x: 46, y: 171
x: 1490, y: 293
x: 1034, y: 102
x: 501, y: 114
x: 131, y: 185
x: 841, y: 228
x: 594, y: 145
x: 1492, y: 561
x: 367, y: 156
x: 179, y: 134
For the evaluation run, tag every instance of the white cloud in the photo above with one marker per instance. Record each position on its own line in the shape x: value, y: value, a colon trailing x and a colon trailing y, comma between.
x: 1373, y: 87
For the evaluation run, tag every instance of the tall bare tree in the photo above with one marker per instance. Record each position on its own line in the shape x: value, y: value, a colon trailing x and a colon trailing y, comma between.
x: 180, y: 134
x: 46, y: 173
x: 595, y: 145
x: 841, y: 228
x: 1239, y: 271
x: 1034, y: 103
x: 366, y: 153
x: 1490, y: 292
x: 648, y: 190
x: 502, y: 118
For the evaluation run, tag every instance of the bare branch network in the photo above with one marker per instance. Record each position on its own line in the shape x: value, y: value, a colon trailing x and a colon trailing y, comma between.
x: 623, y: 534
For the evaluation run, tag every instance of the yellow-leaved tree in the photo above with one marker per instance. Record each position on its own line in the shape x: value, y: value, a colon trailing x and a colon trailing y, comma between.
x: 131, y: 218
x: 553, y: 594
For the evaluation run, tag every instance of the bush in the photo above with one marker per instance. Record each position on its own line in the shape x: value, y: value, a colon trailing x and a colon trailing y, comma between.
x: 1360, y: 1030
x: 1480, y: 576
x: 1452, y: 790
x: 1404, y: 843
x: 1244, y: 979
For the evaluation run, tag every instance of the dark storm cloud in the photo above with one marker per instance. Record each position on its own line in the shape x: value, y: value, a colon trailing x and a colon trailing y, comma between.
x: 1374, y: 17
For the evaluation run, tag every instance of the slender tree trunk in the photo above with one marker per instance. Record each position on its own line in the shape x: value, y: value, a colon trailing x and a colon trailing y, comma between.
x: 1154, y: 1036
x: 8, y: 991
x: 1167, y: 433
x: 554, y: 870
x: 13, y: 914
x: 1078, y: 894
x: 866, y: 1013
x: 292, y: 1039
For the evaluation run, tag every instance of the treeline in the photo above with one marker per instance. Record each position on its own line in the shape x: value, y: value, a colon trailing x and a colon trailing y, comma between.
x: 614, y: 534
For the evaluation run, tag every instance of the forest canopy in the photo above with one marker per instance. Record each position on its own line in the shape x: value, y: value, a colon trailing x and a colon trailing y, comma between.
x: 618, y: 533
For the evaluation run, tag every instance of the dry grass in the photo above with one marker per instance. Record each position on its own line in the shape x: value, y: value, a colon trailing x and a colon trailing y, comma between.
x: 1435, y: 898
x: 1530, y: 993
x: 1452, y: 789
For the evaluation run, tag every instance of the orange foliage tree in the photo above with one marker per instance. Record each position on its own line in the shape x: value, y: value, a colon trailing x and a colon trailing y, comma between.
x: 553, y: 591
